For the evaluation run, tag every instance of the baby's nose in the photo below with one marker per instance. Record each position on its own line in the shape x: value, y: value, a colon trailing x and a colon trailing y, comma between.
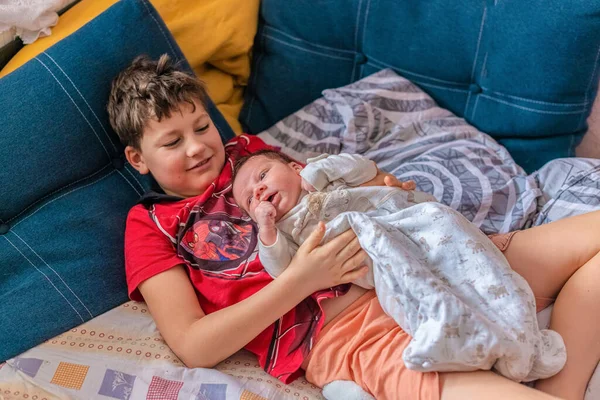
x: 258, y: 190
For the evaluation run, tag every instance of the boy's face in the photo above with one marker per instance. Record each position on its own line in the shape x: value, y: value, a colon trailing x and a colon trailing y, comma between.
x: 265, y: 179
x: 184, y: 153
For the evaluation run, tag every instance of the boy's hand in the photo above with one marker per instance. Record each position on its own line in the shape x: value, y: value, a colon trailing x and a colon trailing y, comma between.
x: 386, y: 179
x: 307, y: 186
x: 319, y: 267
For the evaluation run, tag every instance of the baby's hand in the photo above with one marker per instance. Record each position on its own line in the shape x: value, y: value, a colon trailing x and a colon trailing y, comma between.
x: 307, y: 186
x: 265, y: 214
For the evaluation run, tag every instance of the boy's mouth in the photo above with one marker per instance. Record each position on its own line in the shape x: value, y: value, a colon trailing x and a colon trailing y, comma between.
x: 200, y: 164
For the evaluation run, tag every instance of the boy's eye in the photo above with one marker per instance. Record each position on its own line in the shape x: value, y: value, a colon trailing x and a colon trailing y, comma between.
x: 249, y: 200
x: 203, y: 128
x: 262, y: 175
x: 172, y: 143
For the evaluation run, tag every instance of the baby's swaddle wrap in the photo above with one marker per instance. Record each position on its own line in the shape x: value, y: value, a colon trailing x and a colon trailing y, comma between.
x: 442, y: 280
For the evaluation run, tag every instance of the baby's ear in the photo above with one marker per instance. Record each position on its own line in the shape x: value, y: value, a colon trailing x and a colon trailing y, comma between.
x: 296, y: 167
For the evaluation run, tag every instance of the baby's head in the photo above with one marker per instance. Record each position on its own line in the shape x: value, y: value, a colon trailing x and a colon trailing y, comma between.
x: 159, y: 113
x: 267, y: 175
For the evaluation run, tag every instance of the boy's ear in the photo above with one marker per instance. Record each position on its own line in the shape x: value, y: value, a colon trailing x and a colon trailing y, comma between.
x: 296, y: 167
x: 136, y: 159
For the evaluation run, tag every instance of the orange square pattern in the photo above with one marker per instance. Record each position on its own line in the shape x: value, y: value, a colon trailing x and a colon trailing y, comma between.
x: 70, y: 375
x: 163, y: 389
x: 247, y: 395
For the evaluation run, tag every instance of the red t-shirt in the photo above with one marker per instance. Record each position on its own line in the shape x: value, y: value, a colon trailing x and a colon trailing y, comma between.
x: 217, y: 244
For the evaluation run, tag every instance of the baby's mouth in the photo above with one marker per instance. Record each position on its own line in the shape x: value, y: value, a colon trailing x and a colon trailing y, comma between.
x: 273, y: 199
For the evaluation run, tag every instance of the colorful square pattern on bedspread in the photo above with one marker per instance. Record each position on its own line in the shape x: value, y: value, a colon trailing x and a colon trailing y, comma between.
x: 120, y: 355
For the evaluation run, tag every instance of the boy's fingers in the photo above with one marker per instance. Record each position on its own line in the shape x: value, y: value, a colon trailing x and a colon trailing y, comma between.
x: 355, y: 274
x: 356, y: 260
x: 315, y: 237
x: 349, y: 250
x: 339, y: 242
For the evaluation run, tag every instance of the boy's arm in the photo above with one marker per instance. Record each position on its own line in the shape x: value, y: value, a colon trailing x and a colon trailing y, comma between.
x: 353, y: 169
x: 201, y: 340
x: 276, y: 257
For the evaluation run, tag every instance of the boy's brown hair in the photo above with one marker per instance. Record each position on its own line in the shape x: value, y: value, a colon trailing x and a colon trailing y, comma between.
x: 146, y: 90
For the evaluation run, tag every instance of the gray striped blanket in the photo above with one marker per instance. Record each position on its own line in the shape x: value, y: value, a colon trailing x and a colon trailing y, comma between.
x: 391, y: 121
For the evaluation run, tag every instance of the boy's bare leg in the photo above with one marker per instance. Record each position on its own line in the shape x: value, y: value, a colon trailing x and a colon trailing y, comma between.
x: 484, y: 385
x: 562, y: 259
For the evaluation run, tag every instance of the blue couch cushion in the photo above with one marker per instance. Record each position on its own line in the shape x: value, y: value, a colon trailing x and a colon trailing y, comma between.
x: 523, y: 71
x: 66, y: 188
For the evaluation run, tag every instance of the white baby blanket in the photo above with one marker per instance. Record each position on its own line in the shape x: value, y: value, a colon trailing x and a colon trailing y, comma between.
x: 452, y: 290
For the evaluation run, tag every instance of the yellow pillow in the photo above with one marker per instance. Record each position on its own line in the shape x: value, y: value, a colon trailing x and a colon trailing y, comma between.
x: 215, y: 36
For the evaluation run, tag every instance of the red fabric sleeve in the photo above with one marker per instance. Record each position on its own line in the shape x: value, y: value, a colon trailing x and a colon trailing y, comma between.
x: 148, y: 251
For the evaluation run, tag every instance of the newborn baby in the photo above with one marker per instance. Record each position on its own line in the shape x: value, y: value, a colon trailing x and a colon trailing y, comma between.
x: 441, y: 279
x: 283, y: 197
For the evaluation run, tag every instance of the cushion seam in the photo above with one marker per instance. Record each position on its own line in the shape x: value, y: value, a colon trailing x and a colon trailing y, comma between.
x: 83, y: 98
x: 532, y: 109
x: 483, y: 18
x: 56, y: 273
x: 534, y: 101
x: 56, y: 191
x: 46, y: 276
x: 308, y: 50
x: 61, y: 196
x: 129, y: 183
x: 149, y: 10
x: 302, y: 41
x: 76, y: 106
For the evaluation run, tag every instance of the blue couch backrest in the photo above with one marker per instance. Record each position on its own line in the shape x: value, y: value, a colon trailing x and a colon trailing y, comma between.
x: 525, y: 72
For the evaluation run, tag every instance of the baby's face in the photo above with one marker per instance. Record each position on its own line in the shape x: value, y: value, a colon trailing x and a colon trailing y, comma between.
x: 265, y: 179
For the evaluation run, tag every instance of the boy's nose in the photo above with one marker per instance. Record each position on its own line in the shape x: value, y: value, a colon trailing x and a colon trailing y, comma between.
x: 195, y: 148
